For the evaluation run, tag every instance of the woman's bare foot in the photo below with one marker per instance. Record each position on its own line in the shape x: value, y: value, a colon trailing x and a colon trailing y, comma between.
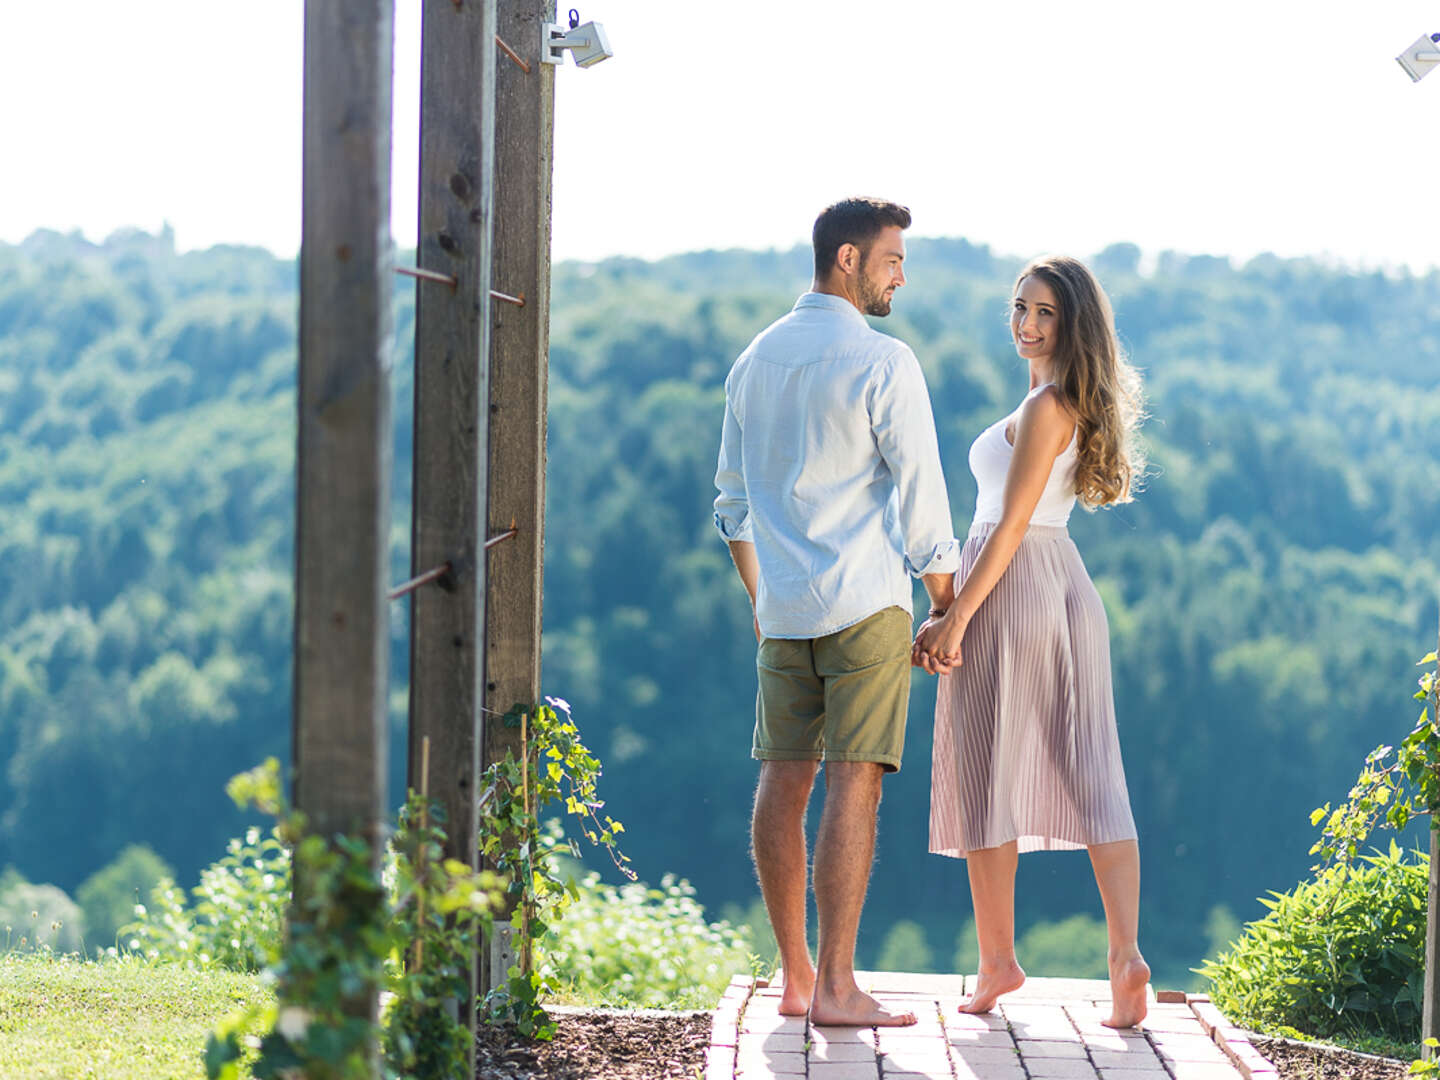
x: 795, y: 1001
x: 1128, y: 980
x: 991, y: 984
x: 855, y: 1009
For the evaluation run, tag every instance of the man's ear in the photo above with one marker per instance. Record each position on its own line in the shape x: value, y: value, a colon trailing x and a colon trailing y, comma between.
x: 848, y: 258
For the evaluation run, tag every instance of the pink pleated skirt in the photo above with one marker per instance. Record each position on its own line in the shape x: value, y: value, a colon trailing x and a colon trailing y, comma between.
x: 1025, y: 741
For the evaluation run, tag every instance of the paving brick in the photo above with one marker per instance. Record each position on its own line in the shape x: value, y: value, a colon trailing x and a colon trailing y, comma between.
x: 1147, y: 1073
x: 1195, y: 1070
x: 772, y: 1042
x: 955, y: 1019
x: 1110, y: 1059
x: 978, y: 1036
x: 761, y: 1065
x: 1050, y: 1048
x: 940, y: 1072
x: 768, y: 1022
x: 965, y: 1071
x: 1188, y: 1048
x: 916, y: 1054
x: 1124, y: 1042
x: 840, y: 1034
x: 720, y: 1063
x: 841, y: 1051
x: 724, y: 1028
x: 982, y: 1055
x: 1171, y: 997
x: 1060, y: 1069
x: 844, y: 1070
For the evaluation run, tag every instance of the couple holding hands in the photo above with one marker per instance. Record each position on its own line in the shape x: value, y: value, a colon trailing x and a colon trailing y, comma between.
x: 831, y: 499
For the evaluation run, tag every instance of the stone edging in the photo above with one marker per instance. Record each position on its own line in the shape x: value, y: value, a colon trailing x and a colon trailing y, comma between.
x: 725, y: 1029
x: 1233, y: 1040
x: 1325, y: 1048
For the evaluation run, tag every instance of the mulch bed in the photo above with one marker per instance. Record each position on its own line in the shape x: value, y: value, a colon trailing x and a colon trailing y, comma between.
x: 598, y: 1046
x: 1296, y: 1061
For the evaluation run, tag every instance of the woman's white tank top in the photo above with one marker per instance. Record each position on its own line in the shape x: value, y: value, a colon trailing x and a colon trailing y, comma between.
x: 990, y: 456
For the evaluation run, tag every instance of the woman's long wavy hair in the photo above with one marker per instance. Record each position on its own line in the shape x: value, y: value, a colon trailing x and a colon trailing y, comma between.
x: 1095, y: 381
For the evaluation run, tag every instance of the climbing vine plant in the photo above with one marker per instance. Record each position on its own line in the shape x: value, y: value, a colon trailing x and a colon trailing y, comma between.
x: 1394, y: 786
x: 555, y: 768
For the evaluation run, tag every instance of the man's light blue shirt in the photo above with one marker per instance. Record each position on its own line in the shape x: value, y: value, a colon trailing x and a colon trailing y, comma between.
x: 830, y: 465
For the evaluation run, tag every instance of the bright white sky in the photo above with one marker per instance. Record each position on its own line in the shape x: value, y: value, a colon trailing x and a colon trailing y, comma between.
x: 1226, y: 127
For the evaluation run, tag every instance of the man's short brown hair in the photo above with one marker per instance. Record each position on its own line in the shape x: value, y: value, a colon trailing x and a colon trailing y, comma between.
x: 855, y: 221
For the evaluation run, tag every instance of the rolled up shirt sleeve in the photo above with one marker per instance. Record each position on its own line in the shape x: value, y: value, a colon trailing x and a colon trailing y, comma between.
x: 904, y: 427
x: 732, y: 506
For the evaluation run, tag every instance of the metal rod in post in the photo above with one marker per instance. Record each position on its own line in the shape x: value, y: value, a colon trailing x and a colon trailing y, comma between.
x: 518, y: 301
x: 512, y: 54
x: 420, y: 579
x: 428, y: 275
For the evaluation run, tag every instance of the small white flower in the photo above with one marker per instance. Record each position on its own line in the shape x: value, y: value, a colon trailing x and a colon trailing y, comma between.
x: 293, y: 1022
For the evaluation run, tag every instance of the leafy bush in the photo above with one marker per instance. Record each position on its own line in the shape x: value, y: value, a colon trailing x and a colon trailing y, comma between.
x: 642, y: 947
x: 905, y: 948
x: 109, y: 896
x: 1342, y: 954
x: 237, y: 920
x: 37, y: 917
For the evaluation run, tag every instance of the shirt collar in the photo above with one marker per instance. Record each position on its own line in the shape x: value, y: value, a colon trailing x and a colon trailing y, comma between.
x: 828, y: 302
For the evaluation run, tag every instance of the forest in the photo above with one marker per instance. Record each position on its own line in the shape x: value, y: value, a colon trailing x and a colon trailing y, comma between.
x: 1269, y: 592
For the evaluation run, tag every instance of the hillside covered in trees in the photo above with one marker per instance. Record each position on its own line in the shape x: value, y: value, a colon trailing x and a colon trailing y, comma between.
x: 1268, y: 593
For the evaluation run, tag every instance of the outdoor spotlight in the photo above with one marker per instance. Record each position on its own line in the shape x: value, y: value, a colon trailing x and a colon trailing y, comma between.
x: 586, y: 43
x: 1422, y: 57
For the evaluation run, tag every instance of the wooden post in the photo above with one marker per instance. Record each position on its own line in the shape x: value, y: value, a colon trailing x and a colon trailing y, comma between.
x: 343, y: 463
x: 452, y: 357
x: 1430, y: 1018
x: 519, y: 361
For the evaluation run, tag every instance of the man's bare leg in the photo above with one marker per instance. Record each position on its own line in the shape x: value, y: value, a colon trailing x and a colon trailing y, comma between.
x: 777, y: 837
x: 843, y: 853
x: 1117, y: 872
x: 992, y: 891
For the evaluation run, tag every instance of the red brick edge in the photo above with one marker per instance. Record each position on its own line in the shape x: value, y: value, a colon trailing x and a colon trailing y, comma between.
x: 1231, y: 1039
x: 725, y: 1028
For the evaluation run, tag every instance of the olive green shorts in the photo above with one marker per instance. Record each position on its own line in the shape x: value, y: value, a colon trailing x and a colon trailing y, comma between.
x: 841, y: 697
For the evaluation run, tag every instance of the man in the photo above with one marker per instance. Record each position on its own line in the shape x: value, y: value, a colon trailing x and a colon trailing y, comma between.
x: 830, y: 491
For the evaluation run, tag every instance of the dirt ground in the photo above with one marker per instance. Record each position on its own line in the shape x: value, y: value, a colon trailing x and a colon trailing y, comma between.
x: 1309, y: 1063
x: 598, y: 1047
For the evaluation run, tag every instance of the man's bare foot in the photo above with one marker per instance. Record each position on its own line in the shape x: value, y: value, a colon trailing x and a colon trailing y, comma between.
x: 991, y: 984
x: 855, y: 1009
x: 795, y: 1001
x: 1127, y: 992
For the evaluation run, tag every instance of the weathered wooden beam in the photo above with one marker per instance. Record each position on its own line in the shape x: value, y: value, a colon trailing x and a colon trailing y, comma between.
x: 452, y: 357
x: 1430, y: 1015
x: 344, y: 453
x: 519, y: 362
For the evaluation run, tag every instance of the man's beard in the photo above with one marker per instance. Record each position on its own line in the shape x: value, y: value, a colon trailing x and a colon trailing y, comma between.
x: 871, y: 301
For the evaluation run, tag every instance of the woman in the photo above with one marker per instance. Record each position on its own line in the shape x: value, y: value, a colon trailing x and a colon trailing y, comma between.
x: 1026, y: 752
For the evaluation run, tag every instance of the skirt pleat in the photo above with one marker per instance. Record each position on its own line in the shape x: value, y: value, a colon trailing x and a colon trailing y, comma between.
x: 1026, y: 747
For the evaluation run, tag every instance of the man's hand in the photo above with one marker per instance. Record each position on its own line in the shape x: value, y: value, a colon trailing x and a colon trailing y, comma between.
x: 759, y: 637
x: 937, y: 645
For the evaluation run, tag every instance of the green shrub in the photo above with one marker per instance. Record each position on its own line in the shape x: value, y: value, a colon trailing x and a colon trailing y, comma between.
x: 108, y: 897
x: 1342, y: 954
x: 1077, y: 946
x: 905, y: 948
x: 38, y: 917
x: 642, y: 947
x: 238, y: 916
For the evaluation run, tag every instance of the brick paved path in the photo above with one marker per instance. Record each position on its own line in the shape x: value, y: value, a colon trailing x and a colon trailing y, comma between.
x: 1048, y: 1030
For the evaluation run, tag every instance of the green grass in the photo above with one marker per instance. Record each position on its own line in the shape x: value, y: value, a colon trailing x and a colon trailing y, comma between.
x: 116, y: 1019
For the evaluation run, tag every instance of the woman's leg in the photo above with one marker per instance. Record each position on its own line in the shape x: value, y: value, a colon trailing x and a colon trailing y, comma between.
x: 1117, y: 873
x: 992, y: 891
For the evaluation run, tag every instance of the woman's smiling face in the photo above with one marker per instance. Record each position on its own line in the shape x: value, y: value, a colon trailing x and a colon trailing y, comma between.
x: 1034, y: 319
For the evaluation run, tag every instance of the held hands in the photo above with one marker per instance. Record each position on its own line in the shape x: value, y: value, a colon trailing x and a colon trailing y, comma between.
x: 937, y: 645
